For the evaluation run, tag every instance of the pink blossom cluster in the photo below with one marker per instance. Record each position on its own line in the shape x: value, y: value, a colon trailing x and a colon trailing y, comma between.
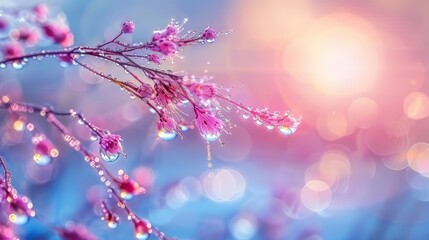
x: 37, y: 25
x: 17, y: 208
x: 180, y: 100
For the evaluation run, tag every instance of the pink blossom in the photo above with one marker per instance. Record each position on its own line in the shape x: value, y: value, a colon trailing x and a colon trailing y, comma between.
x: 166, y: 41
x: 76, y: 232
x: 111, y: 143
x: 145, y: 90
x: 208, y: 124
x: 166, y: 46
x: 167, y: 123
x: 41, y: 11
x: 12, y: 49
x: 21, y: 206
x: 66, y: 58
x: 161, y: 97
x: 209, y: 34
x: 204, y: 91
x: 28, y: 35
x: 60, y: 34
x: 154, y: 58
x: 171, y: 30
x: 128, y: 27
x: 3, y: 23
x: 142, y: 228
x: 128, y: 187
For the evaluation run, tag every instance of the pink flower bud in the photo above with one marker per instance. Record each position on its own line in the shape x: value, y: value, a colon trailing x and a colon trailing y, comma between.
x: 20, y: 210
x: 209, y: 125
x: 41, y: 11
x: 110, y: 147
x: 3, y: 23
x: 76, y: 232
x: 204, y: 91
x: 145, y: 90
x: 142, y: 229
x: 171, y: 30
x: 28, y: 35
x: 154, y: 58
x: 209, y: 35
x: 59, y: 34
x: 12, y: 49
x: 167, y: 124
x: 128, y: 27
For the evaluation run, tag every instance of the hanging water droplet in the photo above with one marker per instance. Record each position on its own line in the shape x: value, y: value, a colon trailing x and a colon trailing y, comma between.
x: 18, y: 64
x: 94, y: 136
x: 211, y: 137
x: 288, y: 130
x: 113, y: 221
x: 64, y: 64
x: 246, y: 115
x: 41, y: 159
x: 80, y: 121
x: 269, y: 127
x: 2, y: 65
x: 18, y: 218
x: 184, y: 128
x: 107, y: 156
x: 165, y: 135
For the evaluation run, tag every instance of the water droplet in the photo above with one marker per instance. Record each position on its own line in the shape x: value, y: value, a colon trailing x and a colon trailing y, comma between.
x: 113, y: 222
x: 210, y: 40
x: 94, y: 136
x: 246, y: 115
x: 287, y: 130
x: 269, y: 127
x: 18, y: 64
x: 211, y: 137
x: 165, y: 135
x: 80, y: 121
x: 18, y: 218
x: 126, y: 195
x: 107, y: 156
x: 41, y: 159
x: 2, y: 65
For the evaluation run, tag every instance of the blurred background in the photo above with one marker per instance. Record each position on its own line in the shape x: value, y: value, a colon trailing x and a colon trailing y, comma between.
x: 357, y: 168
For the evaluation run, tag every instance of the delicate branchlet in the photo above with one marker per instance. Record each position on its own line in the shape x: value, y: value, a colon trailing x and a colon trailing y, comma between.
x: 120, y: 187
x: 109, y: 216
x: 18, y: 208
x: 168, y: 93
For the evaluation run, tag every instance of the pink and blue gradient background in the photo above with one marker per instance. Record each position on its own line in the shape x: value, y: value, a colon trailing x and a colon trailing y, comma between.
x: 357, y: 168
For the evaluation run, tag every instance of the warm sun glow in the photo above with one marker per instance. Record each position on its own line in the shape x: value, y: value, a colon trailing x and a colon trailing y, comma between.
x: 338, y: 56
